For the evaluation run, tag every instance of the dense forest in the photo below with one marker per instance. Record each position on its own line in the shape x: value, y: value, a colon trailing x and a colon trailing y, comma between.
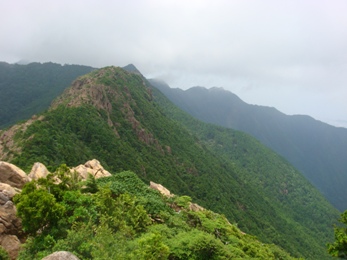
x: 30, y: 89
x: 313, y: 147
x: 118, y: 118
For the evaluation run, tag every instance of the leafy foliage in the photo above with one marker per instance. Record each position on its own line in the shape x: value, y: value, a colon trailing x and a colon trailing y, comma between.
x: 38, y: 209
x: 115, y: 224
x: 339, y: 247
x: 3, y: 254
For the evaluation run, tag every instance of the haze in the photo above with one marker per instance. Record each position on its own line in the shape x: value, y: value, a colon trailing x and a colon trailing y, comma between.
x: 287, y: 54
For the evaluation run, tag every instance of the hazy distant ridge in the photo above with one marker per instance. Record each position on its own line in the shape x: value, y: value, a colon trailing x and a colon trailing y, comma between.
x: 317, y: 149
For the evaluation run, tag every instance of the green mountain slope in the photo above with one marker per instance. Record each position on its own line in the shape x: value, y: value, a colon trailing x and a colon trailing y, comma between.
x: 119, y: 217
x: 118, y: 118
x: 317, y: 149
x: 30, y: 89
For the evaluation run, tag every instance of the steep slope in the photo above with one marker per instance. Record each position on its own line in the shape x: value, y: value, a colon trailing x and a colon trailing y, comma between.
x: 116, y: 117
x: 120, y: 217
x: 29, y: 89
x: 317, y: 149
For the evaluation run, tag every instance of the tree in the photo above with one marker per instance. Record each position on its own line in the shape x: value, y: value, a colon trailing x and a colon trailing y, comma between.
x: 37, y: 208
x: 339, y: 247
x: 151, y: 247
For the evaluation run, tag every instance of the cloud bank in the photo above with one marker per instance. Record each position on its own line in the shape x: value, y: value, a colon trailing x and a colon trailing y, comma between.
x: 287, y: 54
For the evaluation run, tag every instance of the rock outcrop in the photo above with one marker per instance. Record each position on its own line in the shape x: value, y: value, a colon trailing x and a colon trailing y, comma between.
x: 92, y: 167
x: 164, y: 191
x: 195, y: 207
x: 11, y: 244
x: 10, y: 224
x: 61, y: 255
x: 12, y: 175
x: 12, y: 179
x: 161, y: 189
x: 38, y: 171
x: 8, y: 191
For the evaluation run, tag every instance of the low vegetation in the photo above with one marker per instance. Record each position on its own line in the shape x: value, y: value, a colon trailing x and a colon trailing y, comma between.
x: 119, y: 217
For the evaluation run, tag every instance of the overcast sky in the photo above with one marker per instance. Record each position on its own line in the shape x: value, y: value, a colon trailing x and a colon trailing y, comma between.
x: 289, y: 54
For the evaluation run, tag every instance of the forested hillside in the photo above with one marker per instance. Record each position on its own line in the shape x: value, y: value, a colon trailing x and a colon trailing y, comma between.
x: 317, y: 149
x: 29, y: 89
x: 120, y: 119
x: 120, y: 217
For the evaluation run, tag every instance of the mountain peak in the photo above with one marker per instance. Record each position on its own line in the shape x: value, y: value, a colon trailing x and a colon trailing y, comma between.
x: 97, y: 88
x: 132, y: 69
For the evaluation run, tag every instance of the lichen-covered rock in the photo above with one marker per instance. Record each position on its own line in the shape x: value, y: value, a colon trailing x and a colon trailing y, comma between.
x: 92, y: 167
x: 38, y: 171
x: 12, y: 175
x: 61, y: 255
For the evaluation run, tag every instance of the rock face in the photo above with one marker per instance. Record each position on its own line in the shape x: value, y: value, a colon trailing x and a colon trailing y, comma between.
x: 195, y: 207
x: 12, y: 179
x: 8, y: 191
x: 161, y: 189
x: 38, y: 171
x: 12, y: 175
x: 167, y: 193
x: 61, y: 255
x: 11, y: 244
x: 10, y: 225
x: 92, y: 167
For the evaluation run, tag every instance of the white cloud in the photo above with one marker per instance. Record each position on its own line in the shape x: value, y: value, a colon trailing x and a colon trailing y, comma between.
x: 264, y: 51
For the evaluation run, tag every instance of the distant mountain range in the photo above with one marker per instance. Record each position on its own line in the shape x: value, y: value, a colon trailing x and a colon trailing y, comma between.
x: 119, y: 118
x: 29, y: 89
x: 317, y: 149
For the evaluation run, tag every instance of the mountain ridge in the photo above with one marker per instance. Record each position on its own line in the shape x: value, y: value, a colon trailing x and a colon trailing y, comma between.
x: 118, y: 118
x: 29, y: 89
x: 315, y: 148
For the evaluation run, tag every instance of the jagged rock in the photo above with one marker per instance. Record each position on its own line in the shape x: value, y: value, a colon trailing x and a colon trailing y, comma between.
x: 10, y: 228
x: 12, y: 175
x: 161, y: 189
x: 8, y: 191
x: 11, y: 244
x: 38, y: 171
x: 9, y: 222
x: 195, y: 207
x: 61, y: 255
x: 92, y: 167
